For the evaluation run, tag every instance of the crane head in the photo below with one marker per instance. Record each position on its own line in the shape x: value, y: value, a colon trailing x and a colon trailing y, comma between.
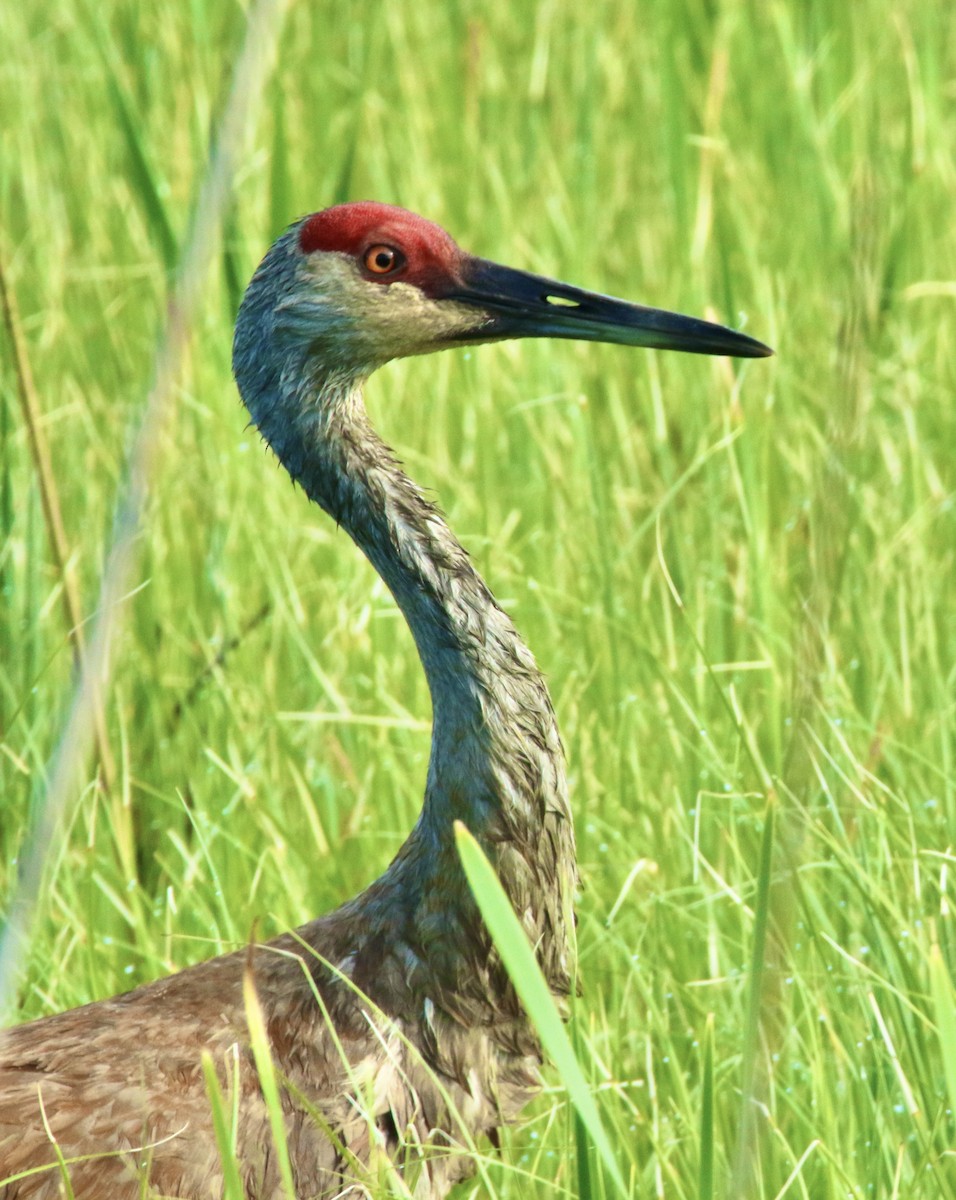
x: 393, y: 284
x: 349, y: 288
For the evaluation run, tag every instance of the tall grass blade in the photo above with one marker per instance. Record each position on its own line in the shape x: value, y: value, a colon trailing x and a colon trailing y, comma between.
x: 280, y: 177
x: 747, y: 1162
x: 532, y: 988
x: 145, y: 176
x: 52, y: 507
x: 582, y: 1144
x: 582, y: 1155
x: 262, y: 1053
x: 705, y: 1179
x: 224, y: 1129
x: 944, y: 1009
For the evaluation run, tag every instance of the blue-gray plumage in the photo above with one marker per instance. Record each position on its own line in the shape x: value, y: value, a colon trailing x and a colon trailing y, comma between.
x: 396, y: 1034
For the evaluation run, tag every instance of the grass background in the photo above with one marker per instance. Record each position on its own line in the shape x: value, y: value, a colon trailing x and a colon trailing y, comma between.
x: 738, y: 577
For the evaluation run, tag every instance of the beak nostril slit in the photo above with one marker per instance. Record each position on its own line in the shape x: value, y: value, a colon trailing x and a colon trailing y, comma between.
x: 561, y: 301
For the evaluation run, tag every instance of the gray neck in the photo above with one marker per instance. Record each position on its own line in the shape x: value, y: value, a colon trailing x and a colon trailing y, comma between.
x: 495, y: 751
x: 496, y: 758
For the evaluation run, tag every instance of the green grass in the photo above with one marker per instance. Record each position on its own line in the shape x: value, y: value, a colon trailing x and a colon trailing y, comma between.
x: 738, y: 577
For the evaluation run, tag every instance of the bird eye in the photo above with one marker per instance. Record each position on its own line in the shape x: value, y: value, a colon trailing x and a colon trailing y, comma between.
x: 383, y: 260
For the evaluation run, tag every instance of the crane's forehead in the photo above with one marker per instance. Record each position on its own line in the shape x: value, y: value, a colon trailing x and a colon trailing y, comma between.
x: 352, y: 228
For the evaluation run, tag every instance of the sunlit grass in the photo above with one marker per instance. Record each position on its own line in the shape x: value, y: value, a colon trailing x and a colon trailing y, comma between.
x: 738, y: 577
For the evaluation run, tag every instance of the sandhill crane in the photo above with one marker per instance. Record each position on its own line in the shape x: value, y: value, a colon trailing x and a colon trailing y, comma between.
x: 393, y: 1027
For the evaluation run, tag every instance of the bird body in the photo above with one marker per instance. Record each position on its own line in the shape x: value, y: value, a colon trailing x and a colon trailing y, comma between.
x: 396, y: 1035
x: 123, y: 1076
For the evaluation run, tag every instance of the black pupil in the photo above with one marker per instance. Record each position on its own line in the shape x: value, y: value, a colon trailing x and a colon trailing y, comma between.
x: 383, y: 259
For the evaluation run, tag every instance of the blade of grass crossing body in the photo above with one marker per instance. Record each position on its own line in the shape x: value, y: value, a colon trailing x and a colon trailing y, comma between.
x: 224, y: 1129
x: 66, y: 1184
x: 261, y: 1052
x: 533, y: 991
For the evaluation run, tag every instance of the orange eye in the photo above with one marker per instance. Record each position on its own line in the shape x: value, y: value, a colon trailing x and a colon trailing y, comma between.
x: 383, y: 260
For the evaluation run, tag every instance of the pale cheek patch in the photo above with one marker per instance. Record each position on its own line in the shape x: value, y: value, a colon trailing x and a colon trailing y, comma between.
x: 387, y: 320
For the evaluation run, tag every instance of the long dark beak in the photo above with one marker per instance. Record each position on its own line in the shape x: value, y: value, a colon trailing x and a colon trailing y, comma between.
x: 523, y: 305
